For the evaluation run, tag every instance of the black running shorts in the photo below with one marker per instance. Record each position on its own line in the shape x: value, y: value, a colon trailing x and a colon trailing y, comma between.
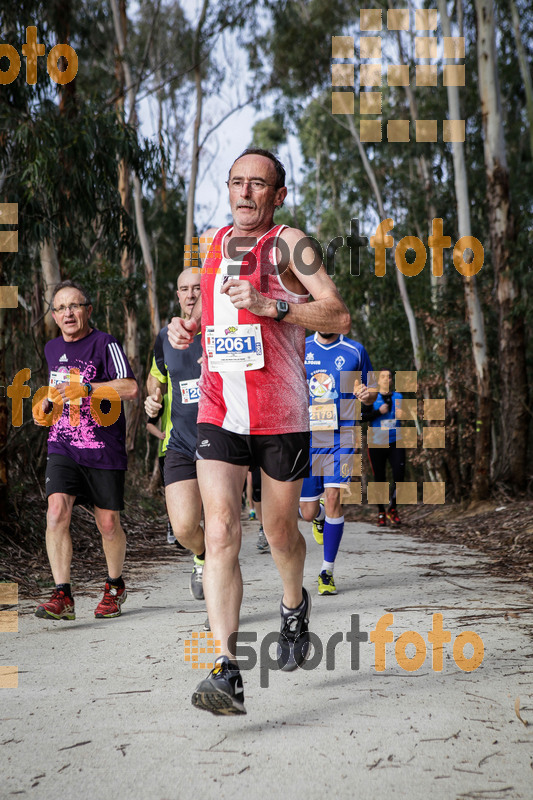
x: 103, y: 488
x: 284, y: 456
x: 178, y: 467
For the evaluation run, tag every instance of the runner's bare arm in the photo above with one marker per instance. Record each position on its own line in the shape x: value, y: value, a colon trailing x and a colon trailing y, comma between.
x: 153, y: 402
x: 126, y: 388
x: 327, y: 312
x: 151, y: 428
x: 181, y: 332
x: 152, y: 384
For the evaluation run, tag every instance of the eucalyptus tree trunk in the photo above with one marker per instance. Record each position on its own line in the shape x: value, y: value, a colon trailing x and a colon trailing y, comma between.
x: 400, y: 277
x: 51, y: 277
x: 524, y: 70
x: 127, y: 265
x: 318, y: 199
x: 195, y: 159
x: 512, y: 362
x: 4, y: 425
x: 474, y: 313
x: 436, y: 283
x: 120, y: 22
x: 159, y: 80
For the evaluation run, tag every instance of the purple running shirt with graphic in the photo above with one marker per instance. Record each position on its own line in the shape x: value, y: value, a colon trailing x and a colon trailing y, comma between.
x: 99, y: 358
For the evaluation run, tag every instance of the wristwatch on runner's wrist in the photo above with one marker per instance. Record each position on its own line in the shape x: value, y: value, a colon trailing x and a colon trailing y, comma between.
x: 89, y: 388
x: 282, y: 307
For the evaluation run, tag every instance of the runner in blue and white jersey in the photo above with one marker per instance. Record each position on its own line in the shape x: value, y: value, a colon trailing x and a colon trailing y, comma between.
x: 337, y: 374
x: 383, y: 418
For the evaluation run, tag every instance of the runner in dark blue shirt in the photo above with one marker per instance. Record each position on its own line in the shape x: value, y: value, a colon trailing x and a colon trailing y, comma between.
x: 178, y: 373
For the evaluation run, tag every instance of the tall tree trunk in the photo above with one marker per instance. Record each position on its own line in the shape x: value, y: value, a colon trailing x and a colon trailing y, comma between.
x: 120, y: 21
x: 474, y: 313
x: 4, y: 427
x: 159, y: 81
x: 512, y: 361
x: 524, y: 70
x: 127, y: 265
x: 424, y: 174
x: 62, y: 12
x: 409, y: 313
x: 318, y: 199
x: 196, y: 56
x: 149, y: 268
x: 51, y: 277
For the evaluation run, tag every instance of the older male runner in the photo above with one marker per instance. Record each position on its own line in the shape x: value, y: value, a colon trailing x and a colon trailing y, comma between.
x: 256, y: 282
x: 178, y: 374
x: 86, y: 455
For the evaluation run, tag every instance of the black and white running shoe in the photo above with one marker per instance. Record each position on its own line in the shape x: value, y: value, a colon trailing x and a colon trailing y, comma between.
x: 221, y: 692
x: 197, y: 579
x: 294, y: 642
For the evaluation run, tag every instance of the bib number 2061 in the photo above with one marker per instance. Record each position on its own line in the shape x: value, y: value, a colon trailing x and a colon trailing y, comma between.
x: 234, y: 344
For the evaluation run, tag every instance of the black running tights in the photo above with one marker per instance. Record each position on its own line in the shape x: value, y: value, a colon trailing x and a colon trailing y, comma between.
x: 378, y: 459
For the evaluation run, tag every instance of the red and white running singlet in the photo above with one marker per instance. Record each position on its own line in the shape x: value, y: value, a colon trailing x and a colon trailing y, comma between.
x: 274, y: 398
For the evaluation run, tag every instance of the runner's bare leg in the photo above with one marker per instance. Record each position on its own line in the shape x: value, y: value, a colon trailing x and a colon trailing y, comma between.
x: 184, y: 506
x: 113, y: 539
x: 58, y: 541
x: 280, y: 522
x: 221, y: 489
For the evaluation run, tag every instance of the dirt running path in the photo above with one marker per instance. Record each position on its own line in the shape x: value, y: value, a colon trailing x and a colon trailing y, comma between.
x: 103, y: 707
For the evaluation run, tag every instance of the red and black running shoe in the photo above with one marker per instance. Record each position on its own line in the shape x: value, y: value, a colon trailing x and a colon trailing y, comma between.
x: 392, y: 516
x: 382, y: 522
x: 58, y: 607
x: 110, y: 604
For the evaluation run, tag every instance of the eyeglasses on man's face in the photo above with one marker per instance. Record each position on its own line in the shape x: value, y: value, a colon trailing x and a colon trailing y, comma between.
x: 256, y: 185
x: 70, y: 307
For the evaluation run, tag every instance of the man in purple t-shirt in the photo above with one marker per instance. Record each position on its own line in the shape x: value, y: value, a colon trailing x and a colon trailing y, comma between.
x: 86, y: 445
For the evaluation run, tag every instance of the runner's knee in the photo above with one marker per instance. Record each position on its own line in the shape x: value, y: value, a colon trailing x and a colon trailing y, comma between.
x: 284, y: 538
x: 109, y: 525
x: 58, y: 512
x: 185, y: 532
x: 308, y: 512
x: 222, y: 537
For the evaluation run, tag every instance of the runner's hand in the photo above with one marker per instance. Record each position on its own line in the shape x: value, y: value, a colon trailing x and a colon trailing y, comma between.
x: 153, y: 404
x: 42, y: 409
x: 71, y: 389
x: 181, y: 332
x: 243, y: 295
x: 39, y: 411
x: 362, y: 392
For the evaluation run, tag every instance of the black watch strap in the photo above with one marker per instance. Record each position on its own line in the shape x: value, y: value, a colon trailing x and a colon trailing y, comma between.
x: 282, y: 308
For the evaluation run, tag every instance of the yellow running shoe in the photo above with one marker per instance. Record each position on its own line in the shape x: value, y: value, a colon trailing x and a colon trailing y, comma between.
x: 318, y: 528
x: 326, y: 584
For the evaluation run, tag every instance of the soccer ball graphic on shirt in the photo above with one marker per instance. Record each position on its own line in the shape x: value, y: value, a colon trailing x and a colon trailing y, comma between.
x: 322, y: 386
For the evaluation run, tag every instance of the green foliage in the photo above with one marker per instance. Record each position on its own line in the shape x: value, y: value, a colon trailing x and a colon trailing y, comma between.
x: 269, y: 134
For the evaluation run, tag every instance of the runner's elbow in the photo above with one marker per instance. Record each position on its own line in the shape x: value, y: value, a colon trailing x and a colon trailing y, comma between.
x: 132, y: 391
x: 345, y: 322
